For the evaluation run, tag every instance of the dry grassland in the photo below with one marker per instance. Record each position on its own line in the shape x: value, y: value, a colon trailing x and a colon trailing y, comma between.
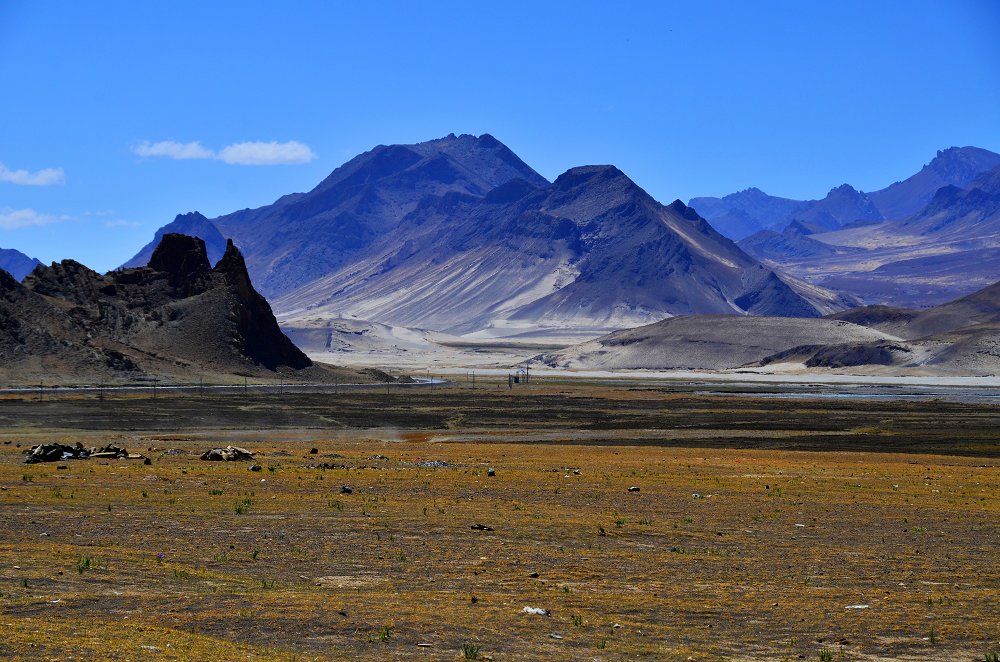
x: 739, y: 544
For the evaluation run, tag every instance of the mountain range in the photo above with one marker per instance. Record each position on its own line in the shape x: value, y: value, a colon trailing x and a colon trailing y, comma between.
x: 740, y: 215
x: 948, y: 248
x: 459, y: 235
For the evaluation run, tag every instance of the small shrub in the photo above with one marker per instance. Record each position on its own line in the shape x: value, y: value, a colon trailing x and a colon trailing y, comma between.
x: 826, y: 655
x: 470, y: 652
x: 385, y: 633
x: 85, y: 563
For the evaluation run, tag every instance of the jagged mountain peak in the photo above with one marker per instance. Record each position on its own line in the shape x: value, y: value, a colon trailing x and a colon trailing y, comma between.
x: 976, y: 157
x: 954, y: 166
x: 845, y: 190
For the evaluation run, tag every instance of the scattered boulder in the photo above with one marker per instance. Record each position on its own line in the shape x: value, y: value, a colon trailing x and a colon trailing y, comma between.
x: 538, y: 611
x: 227, y: 454
x: 110, y: 451
x: 634, y: 488
x: 55, y: 453
x: 254, y: 467
x: 481, y: 527
x: 491, y: 472
x: 346, y: 489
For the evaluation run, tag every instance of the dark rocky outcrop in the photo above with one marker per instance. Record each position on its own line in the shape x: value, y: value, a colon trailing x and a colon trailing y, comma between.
x: 176, y: 318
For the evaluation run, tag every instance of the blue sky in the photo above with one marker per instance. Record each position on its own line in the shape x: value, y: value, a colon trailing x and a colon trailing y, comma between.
x: 687, y: 98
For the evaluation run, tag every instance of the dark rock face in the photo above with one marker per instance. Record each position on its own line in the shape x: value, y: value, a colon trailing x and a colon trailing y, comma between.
x: 181, y: 256
x: 255, y: 330
x: 175, y: 317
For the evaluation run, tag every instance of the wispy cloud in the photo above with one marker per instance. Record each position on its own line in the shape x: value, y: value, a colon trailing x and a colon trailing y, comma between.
x: 174, y: 150
x: 246, y: 153
x: 272, y: 153
x: 44, y: 177
x: 121, y: 223
x: 12, y: 219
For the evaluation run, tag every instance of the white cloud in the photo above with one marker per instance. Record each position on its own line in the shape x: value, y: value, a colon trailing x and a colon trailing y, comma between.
x: 174, y: 150
x: 248, y: 153
x: 272, y: 153
x: 12, y: 219
x: 44, y: 177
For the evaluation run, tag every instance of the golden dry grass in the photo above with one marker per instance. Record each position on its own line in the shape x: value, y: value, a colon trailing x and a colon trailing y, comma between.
x: 723, y: 554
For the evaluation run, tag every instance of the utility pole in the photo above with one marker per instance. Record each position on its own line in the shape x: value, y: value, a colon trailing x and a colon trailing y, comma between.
x: 473, y: 380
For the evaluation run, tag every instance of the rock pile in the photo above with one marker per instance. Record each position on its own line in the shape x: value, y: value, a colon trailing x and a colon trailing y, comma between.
x: 227, y: 454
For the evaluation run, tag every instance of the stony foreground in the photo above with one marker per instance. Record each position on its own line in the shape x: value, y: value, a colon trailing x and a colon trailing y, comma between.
x: 722, y: 552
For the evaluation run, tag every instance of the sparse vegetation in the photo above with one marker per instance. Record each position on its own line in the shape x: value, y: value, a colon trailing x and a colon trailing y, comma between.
x: 296, y: 553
